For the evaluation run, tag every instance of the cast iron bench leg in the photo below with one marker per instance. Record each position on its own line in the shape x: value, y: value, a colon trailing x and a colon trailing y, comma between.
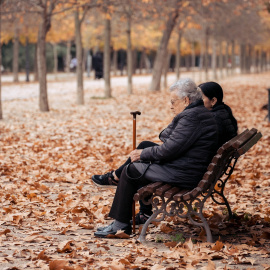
x: 207, y: 228
x: 147, y: 223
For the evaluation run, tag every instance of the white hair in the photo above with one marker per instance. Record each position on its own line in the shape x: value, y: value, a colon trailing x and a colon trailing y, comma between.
x: 187, y: 88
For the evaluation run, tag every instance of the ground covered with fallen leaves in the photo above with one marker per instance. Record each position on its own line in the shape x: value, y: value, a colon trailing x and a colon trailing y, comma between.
x: 50, y: 208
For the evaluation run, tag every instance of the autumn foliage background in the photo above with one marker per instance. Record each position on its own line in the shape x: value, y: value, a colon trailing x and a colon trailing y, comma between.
x: 56, y: 133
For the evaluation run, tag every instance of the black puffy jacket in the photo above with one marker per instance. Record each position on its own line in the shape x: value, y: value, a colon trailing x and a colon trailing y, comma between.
x: 189, y: 143
x: 227, y: 124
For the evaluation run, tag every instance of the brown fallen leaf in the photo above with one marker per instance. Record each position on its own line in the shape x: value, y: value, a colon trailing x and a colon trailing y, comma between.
x: 166, y: 228
x: 265, y: 235
x: 65, y: 247
x: 36, y: 238
x: 120, y: 234
x: 217, y: 246
x: 170, y: 244
x: 87, y: 226
x: 42, y: 256
x: 116, y: 265
x: 5, y: 232
x: 57, y: 264
x: 124, y: 262
x: 210, y: 266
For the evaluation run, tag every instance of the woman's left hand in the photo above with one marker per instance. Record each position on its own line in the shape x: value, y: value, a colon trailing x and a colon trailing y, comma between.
x: 135, y: 155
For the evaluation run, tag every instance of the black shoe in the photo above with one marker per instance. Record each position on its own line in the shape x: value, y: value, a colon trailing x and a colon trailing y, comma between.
x: 103, y: 228
x: 140, y: 218
x: 105, y: 180
x: 109, y: 230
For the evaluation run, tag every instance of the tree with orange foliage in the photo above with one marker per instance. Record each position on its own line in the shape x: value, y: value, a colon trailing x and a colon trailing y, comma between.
x: 81, y: 9
x: 172, y: 9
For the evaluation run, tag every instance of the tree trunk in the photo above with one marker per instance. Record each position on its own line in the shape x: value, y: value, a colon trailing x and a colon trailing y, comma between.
x: 27, y: 60
x: 187, y: 62
x: 261, y: 60
x: 15, y: 66
x: 233, y: 58
x: 253, y: 63
x: 89, y: 63
x: 267, y: 60
x: 129, y: 56
x: 206, y: 60
x: 248, y: 58
x: 178, y: 55
x: 115, y: 54
x: 201, y: 62
x: 242, y: 58
x: 256, y: 61
x: 134, y: 61
x: 79, y: 56
x: 161, y: 53
x: 214, y: 59
x: 141, y: 63
x: 193, y: 59
x: 166, y: 69
x: 42, y: 69
x: 147, y: 63
x: 55, y: 59
x: 227, y: 59
x: 36, y: 63
x: 221, y: 62
x: 107, y: 58
x: 84, y: 59
x: 68, y: 56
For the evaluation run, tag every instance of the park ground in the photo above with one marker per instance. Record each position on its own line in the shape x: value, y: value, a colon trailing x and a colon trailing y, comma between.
x: 50, y: 208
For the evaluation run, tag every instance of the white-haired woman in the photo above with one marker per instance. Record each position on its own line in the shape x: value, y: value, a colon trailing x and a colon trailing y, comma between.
x: 189, y: 143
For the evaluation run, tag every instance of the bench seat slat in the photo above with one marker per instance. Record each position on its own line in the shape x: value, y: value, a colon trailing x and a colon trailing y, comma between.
x: 192, y: 194
x: 153, y: 186
x: 178, y: 196
x: 161, y: 190
x: 171, y: 192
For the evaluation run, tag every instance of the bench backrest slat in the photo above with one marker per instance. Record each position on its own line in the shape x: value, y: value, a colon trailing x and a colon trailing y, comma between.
x: 249, y: 144
x: 243, y: 139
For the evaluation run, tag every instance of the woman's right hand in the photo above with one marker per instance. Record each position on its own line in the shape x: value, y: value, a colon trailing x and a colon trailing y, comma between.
x: 135, y: 155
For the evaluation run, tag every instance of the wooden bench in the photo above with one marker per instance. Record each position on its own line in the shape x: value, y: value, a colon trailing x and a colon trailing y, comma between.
x: 168, y: 200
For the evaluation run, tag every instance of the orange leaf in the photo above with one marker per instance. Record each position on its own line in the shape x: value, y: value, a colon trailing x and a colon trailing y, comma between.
x: 165, y: 228
x: 171, y: 244
x: 57, y: 265
x: 217, y: 246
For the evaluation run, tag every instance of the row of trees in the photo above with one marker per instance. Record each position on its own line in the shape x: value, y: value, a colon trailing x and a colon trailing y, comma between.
x: 224, y: 28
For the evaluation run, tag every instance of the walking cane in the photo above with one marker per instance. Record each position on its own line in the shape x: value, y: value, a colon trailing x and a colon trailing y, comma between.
x: 134, y: 147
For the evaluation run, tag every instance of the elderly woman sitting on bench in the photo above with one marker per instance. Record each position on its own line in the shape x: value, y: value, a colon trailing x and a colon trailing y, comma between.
x: 189, y: 143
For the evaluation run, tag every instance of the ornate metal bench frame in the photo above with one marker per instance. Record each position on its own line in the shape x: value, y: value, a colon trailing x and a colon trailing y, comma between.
x: 167, y: 200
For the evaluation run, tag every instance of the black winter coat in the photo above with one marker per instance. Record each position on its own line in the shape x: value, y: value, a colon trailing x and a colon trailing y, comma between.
x: 227, y: 124
x: 189, y: 143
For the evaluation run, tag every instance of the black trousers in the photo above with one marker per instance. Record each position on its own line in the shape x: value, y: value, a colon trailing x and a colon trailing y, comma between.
x: 121, y: 209
x: 142, y: 145
x: 146, y: 209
